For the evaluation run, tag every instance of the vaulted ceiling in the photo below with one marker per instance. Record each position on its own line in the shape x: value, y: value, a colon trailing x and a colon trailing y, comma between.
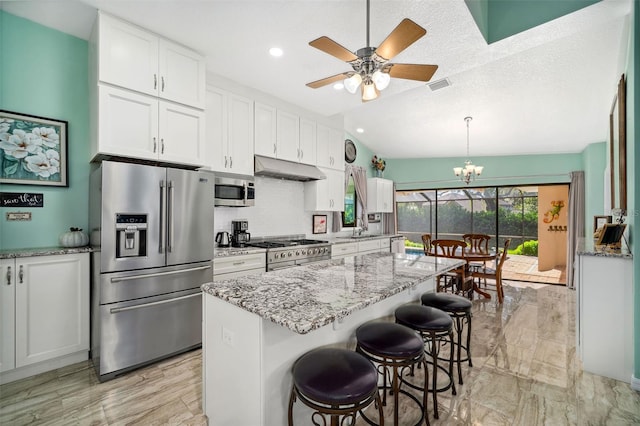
x: 543, y: 83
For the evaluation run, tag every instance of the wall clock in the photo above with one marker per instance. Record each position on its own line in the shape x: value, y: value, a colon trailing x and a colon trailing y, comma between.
x: 349, y: 151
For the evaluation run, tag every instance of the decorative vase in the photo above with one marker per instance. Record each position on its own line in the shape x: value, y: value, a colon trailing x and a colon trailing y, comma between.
x: 74, y: 238
x: 379, y: 173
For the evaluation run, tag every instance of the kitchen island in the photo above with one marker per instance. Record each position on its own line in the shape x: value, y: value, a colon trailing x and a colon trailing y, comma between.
x: 255, y: 327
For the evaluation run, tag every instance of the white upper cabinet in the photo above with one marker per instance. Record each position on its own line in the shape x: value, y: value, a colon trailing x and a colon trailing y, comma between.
x: 139, y: 60
x: 308, y: 141
x: 265, y: 133
x: 379, y: 195
x: 330, y: 148
x: 326, y: 194
x: 230, y: 124
x: 139, y: 126
x: 288, y: 136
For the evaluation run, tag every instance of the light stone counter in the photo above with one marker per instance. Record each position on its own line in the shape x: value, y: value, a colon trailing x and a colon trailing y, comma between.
x: 42, y: 251
x: 256, y: 327
x: 587, y: 247
x: 310, y: 296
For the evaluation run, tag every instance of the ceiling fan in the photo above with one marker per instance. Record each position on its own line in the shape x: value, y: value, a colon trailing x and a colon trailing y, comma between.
x: 372, y: 70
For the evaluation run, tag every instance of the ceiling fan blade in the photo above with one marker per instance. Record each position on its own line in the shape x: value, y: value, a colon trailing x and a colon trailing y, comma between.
x: 402, y: 36
x: 412, y: 71
x: 319, y: 83
x: 334, y: 49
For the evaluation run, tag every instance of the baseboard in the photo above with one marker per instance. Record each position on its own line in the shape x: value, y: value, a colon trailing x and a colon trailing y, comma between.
x: 635, y: 383
x: 41, y: 367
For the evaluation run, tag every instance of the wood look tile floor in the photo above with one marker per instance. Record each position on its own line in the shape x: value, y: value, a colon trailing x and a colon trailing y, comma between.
x: 525, y: 372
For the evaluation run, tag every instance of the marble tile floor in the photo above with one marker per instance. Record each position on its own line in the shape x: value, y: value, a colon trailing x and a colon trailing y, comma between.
x: 525, y: 373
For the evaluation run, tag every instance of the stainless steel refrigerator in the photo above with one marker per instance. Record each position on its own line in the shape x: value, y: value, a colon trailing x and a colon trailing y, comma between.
x: 152, y: 232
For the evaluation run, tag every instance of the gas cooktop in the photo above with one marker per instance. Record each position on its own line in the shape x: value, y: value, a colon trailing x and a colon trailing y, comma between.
x: 285, y: 243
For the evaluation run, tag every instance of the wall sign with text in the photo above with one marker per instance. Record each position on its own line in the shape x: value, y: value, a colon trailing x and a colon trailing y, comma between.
x: 21, y: 199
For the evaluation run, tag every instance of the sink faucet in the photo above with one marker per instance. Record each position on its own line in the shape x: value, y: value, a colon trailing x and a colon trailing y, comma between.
x: 357, y: 229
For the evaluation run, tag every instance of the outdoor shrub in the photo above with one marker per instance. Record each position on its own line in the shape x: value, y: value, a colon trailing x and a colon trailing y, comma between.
x: 528, y: 248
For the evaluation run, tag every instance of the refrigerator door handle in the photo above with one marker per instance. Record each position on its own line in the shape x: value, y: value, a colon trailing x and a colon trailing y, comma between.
x: 161, y: 302
x: 159, y: 274
x: 170, y: 215
x: 163, y: 209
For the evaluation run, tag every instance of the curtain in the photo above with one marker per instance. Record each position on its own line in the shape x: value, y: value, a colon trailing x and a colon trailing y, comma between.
x: 391, y: 219
x: 576, y: 221
x: 360, y: 183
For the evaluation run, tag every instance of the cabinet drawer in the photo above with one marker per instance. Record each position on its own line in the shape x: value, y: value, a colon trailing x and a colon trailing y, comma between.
x: 231, y: 264
x: 371, y: 245
x: 385, y: 243
x: 341, y: 250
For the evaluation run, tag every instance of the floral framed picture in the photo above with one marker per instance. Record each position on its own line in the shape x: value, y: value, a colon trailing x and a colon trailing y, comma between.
x: 319, y: 223
x: 33, y: 150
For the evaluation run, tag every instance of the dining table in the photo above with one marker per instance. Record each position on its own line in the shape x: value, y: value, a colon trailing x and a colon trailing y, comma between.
x: 472, y: 256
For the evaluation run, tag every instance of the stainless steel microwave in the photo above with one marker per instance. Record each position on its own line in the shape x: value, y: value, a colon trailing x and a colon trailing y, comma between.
x: 234, y: 190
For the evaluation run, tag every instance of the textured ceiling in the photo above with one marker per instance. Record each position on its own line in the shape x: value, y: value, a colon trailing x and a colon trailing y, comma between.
x: 544, y: 90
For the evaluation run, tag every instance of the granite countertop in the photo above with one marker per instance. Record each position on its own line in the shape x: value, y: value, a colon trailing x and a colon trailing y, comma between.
x: 346, y: 238
x: 236, y: 251
x: 43, y: 251
x: 587, y: 247
x: 310, y: 296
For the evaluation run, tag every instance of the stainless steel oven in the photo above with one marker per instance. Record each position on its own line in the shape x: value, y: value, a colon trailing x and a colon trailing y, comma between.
x: 288, y: 252
x: 234, y: 190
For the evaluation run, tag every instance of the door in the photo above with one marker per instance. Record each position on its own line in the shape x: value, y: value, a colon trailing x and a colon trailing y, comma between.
x: 307, y: 141
x: 7, y: 312
x: 52, y: 307
x: 265, y: 130
x: 132, y: 189
x: 240, y: 144
x: 288, y: 130
x: 189, y: 216
x: 182, y: 74
x: 181, y: 132
x: 216, y: 155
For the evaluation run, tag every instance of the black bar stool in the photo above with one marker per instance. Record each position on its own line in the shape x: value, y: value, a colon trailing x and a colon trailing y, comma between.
x: 334, y: 382
x: 435, y: 327
x: 459, y: 308
x: 394, y: 347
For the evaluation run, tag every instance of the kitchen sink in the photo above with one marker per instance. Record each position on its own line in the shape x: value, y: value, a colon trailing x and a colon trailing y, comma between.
x: 360, y: 237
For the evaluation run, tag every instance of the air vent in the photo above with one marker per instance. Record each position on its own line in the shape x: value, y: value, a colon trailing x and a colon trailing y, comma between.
x: 440, y: 84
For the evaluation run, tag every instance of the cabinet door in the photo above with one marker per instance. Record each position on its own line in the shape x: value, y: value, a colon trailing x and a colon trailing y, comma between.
x: 7, y: 312
x: 52, y: 307
x: 326, y: 194
x: 240, y: 143
x: 128, y: 124
x: 181, y: 134
x: 216, y: 155
x: 128, y: 56
x: 335, y: 179
x: 307, y: 142
x: 387, y: 196
x: 330, y: 148
x: 265, y: 130
x: 379, y: 195
x: 288, y: 136
x: 182, y: 74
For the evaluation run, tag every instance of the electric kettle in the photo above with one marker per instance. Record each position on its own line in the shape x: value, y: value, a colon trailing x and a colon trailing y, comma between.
x: 223, y: 239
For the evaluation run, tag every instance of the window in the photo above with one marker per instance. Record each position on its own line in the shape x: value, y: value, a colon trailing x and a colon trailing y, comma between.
x: 350, y: 205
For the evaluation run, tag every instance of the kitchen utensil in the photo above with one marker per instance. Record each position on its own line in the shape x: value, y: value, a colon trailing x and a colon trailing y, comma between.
x: 223, y: 239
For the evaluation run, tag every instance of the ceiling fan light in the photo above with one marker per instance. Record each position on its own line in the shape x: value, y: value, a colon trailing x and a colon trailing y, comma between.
x: 369, y: 92
x: 381, y: 79
x: 352, y: 83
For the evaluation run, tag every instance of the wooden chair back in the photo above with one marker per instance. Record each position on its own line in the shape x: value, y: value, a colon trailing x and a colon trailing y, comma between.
x: 426, y: 243
x: 503, y: 255
x: 449, y: 248
x: 478, y: 243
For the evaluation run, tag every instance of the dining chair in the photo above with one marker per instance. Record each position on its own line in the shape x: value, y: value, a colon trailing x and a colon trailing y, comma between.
x: 494, y: 274
x: 426, y: 244
x: 459, y: 280
x: 477, y: 243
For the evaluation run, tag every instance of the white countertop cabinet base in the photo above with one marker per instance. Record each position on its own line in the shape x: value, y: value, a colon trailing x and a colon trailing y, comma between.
x: 248, y: 359
x: 605, y: 316
x: 50, y: 298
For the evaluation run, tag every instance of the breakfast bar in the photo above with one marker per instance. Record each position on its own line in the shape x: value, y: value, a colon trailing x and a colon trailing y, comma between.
x: 255, y: 327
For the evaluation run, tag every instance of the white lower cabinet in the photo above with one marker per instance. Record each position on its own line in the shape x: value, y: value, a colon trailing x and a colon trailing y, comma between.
x: 45, y: 312
x: 326, y: 194
x: 238, y: 266
x: 338, y: 251
x: 374, y: 245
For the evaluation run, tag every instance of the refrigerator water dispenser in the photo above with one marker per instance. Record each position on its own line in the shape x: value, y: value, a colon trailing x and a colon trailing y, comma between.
x: 131, y: 235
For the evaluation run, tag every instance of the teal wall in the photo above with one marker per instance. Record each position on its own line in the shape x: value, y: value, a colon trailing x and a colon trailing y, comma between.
x: 43, y: 72
x: 363, y: 155
x: 594, y: 165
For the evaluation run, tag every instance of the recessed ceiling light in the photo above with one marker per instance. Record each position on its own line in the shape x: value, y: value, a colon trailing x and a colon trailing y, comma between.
x: 360, y: 130
x: 338, y: 86
x: 275, y: 51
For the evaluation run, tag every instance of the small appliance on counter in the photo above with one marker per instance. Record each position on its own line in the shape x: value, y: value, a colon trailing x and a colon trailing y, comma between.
x: 223, y: 239
x: 240, y: 235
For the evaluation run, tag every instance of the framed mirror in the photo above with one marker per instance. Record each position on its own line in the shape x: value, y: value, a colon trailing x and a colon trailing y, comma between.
x: 618, y: 148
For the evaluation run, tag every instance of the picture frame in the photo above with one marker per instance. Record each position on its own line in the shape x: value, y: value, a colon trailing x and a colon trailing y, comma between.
x: 319, y: 223
x: 618, y: 147
x: 600, y: 221
x: 33, y: 150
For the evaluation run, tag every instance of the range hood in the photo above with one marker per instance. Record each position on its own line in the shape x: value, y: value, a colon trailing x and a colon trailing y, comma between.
x: 273, y: 167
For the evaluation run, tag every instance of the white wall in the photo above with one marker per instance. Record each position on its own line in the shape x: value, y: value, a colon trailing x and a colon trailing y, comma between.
x: 279, y: 211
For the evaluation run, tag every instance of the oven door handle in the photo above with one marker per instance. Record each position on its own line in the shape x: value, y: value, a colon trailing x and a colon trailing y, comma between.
x: 146, y: 305
x: 277, y: 268
x: 158, y: 274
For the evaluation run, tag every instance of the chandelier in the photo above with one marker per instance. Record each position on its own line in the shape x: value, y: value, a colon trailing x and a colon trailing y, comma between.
x: 469, y: 171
